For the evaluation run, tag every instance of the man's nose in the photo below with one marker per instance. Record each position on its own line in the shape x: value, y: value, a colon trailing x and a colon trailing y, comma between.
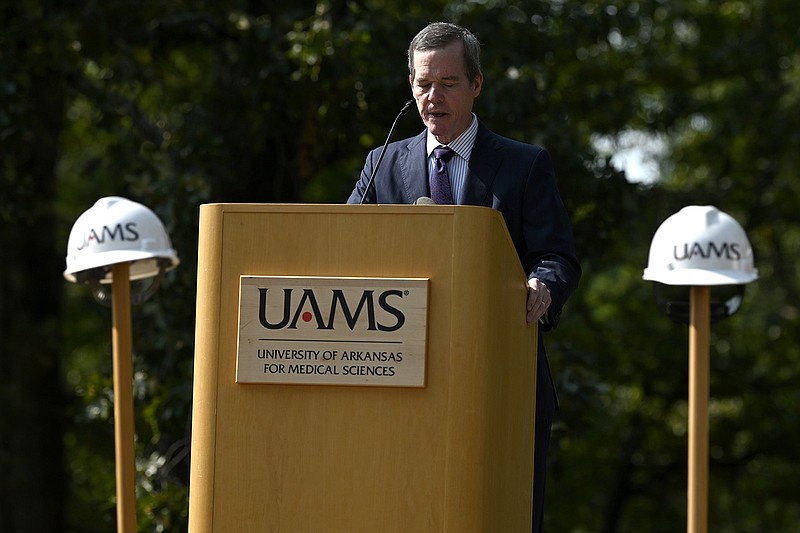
x: 436, y: 93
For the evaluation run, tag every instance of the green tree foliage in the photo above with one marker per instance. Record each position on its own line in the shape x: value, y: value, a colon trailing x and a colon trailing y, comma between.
x: 177, y: 103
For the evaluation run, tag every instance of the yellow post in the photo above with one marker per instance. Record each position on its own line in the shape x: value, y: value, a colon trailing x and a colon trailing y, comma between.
x: 123, y: 399
x: 699, y: 340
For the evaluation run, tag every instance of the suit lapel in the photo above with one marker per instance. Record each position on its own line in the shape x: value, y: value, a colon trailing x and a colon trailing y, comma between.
x: 483, y: 165
x: 414, y: 169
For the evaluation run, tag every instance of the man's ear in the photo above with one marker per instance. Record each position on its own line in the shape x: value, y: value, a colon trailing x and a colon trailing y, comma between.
x: 477, y: 84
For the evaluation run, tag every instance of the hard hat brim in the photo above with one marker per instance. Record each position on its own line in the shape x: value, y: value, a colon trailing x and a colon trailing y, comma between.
x: 143, y: 264
x: 700, y: 278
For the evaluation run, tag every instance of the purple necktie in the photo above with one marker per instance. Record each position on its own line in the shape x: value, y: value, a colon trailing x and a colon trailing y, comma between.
x: 440, y: 179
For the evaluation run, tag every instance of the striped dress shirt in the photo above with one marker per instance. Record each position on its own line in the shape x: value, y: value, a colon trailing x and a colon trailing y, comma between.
x: 457, y: 166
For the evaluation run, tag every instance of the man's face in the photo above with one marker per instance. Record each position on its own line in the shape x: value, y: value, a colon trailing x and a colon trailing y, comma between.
x: 443, y: 92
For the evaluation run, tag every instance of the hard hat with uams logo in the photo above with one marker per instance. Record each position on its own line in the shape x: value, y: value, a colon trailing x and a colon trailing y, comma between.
x: 117, y: 230
x: 700, y: 246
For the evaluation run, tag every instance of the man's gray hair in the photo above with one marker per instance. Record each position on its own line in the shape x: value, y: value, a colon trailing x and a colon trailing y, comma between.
x: 440, y: 34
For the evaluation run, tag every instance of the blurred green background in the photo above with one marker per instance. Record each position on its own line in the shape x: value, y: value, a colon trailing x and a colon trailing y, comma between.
x: 645, y: 106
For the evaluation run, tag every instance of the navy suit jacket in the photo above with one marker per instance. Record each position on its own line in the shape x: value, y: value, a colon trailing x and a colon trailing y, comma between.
x: 518, y: 180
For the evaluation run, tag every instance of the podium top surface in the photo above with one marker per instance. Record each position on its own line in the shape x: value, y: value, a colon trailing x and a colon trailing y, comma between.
x: 349, y: 208
x: 467, y: 217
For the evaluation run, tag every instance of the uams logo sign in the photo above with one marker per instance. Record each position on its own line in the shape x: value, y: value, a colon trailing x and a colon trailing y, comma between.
x: 295, y: 306
x: 128, y: 232
x: 726, y: 250
x: 345, y: 331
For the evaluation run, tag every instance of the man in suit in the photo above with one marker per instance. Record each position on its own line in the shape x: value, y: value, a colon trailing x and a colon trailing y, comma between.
x: 483, y: 169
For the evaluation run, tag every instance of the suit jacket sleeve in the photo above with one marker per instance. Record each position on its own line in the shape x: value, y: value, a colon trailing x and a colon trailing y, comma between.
x: 549, y: 253
x: 363, y: 181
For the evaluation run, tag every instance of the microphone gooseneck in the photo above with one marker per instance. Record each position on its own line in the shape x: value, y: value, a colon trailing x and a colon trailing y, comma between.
x: 406, y: 108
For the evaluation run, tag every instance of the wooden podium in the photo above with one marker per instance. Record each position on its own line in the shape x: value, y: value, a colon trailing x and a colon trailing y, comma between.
x: 454, y: 455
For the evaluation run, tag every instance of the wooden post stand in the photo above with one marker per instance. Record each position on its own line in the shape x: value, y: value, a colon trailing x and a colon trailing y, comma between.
x: 699, y: 370
x: 124, y: 447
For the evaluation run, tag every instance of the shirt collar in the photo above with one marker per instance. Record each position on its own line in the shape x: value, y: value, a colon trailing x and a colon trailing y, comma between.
x: 461, y: 145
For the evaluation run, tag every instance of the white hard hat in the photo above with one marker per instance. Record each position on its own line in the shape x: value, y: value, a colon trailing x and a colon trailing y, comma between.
x: 117, y: 230
x: 700, y: 246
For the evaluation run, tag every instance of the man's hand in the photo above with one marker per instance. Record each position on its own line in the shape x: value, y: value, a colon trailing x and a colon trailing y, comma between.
x: 538, y: 300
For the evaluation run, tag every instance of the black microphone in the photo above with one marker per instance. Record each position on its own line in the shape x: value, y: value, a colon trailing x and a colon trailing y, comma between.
x: 406, y: 109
